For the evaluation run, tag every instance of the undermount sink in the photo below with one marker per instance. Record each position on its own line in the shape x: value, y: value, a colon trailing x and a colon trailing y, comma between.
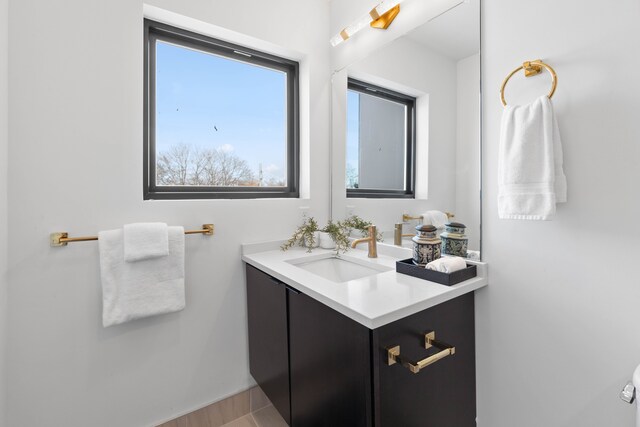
x: 338, y: 269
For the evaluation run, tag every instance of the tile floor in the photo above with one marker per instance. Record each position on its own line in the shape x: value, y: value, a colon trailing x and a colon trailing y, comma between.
x: 250, y: 408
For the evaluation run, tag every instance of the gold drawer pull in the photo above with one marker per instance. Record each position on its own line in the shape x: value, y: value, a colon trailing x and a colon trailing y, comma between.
x: 393, y: 354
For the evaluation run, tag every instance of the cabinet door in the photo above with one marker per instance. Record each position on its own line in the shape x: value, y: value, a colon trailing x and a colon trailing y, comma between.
x: 268, y: 342
x: 330, y: 366
x: 440, y: 395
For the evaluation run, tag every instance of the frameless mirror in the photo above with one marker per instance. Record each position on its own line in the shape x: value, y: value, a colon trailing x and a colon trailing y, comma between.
x: 406, y: 128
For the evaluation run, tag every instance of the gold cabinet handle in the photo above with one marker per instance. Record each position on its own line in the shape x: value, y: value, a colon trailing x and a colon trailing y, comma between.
x: 393, y: 354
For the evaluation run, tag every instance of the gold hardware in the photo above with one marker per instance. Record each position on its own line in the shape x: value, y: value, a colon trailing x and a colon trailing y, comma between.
x: 393, y: 354
x: 371, y: 240
x: 62, y: 238
x: 344, y: 34
x: 383, y: 21
x: 407, y: 217
x: 531, y: 68
x: 54, y: 239
x: 398, y: 235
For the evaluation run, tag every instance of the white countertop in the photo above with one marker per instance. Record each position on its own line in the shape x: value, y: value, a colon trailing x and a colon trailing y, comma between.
x: 373, y: 301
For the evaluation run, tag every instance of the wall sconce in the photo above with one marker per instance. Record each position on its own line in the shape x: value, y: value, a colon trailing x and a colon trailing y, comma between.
x: 380, y: 17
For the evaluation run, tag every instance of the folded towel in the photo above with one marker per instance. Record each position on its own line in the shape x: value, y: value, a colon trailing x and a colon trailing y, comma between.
x: 436, y: 218
x: 530, y: 176
x: 447, y: 264
x: 132, y: 290
x: 145, y: 241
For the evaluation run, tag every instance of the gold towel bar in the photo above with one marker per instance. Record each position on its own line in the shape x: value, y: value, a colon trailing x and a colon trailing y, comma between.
x: 393, y: 354
x: 531, y: 68
x: 62, y: 238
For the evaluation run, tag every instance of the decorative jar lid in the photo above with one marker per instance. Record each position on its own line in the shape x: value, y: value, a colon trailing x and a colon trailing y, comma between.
x: 426, y: 228
x: 455, y: 227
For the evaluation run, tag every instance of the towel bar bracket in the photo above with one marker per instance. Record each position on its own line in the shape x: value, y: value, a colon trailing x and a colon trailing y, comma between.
x: 55, y: 239
x: 531, y: 69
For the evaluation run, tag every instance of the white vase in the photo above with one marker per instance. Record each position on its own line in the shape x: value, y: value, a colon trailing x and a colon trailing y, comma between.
x: 326, y: 241
x: 316, y: 240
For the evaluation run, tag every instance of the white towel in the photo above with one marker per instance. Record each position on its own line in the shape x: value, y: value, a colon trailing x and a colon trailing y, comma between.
x: 132, y: 290
x: 436, y: 218
x: 530, y: 176
x: 145, y: 241
x: 447, y: 264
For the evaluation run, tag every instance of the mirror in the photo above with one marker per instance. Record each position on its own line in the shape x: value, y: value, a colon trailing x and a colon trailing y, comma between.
x: 378, y: 173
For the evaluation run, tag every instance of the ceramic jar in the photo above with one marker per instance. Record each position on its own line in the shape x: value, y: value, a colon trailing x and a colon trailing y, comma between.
x: 426, y: 245
x: 454, y: 241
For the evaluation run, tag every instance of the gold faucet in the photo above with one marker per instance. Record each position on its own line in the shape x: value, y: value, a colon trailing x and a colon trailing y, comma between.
x: 397, y: 234
x: 371, y: 240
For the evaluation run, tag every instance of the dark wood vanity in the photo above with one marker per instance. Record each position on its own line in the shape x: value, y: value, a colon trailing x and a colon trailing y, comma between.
x: 321, y: 368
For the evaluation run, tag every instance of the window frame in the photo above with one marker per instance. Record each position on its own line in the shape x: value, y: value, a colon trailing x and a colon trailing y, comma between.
x: 154, y: 31
x: 410, y: 160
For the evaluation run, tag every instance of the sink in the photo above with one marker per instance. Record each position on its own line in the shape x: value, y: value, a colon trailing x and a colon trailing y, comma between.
x: 340, y: 269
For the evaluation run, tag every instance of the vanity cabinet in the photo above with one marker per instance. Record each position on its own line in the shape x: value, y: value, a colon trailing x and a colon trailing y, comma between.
x: 321, y: 368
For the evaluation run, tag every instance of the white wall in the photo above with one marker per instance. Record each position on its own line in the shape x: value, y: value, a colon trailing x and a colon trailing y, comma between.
x: 4, y: 141
x: 76, y: 165
x: 467, y: 179
x: 414, y: 70
x: 557, y: 328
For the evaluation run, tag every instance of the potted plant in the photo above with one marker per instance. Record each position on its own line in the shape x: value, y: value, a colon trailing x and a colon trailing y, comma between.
x: 305, y: 235
x: 356, y: 223
x: 335, y: 235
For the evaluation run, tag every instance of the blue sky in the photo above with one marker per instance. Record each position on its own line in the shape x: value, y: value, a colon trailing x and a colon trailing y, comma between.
x: 198, y: 92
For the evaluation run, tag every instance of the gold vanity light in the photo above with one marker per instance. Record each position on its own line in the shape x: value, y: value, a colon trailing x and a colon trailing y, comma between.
x: 379, y: 17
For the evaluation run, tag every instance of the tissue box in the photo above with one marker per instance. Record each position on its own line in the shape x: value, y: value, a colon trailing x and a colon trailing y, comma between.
x: 406, y: 266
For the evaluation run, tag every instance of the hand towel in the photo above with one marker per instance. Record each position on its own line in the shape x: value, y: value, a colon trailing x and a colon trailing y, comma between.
x: 436, y: 218
x: 530, y: 176
x: 447, y: 264
x: 145, y: 241
x: 133, y: 290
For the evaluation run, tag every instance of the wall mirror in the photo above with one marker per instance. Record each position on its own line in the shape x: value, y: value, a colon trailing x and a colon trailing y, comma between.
x: 406, y: 133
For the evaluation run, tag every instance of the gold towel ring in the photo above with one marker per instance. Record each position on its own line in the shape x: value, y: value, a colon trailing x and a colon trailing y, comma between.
x: 531, y: 68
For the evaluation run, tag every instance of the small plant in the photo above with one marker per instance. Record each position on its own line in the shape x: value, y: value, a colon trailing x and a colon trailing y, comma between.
x: 305, y: 235
x: 339, y: 234
x: 356, y: 223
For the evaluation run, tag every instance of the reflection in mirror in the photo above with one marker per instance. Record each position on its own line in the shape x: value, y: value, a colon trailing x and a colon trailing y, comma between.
x: 380, y: 141
x: 390, y: 158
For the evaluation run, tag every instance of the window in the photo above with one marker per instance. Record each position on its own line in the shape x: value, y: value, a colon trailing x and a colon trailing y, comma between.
x: 221, y: 120
x: 380, y: 142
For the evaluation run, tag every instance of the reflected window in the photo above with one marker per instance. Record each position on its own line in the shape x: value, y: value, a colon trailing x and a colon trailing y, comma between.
x: 380, y: 142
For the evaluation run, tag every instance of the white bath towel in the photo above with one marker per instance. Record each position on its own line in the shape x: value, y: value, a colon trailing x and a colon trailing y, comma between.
x: 530, y: 176
x: 447, y: 264
x: 132, y: 290
x: 145, y: 241
x: 436, y: 218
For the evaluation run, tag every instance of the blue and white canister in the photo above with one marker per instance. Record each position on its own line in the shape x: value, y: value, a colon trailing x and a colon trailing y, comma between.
x: 454, y: 241
x: 426, y: 245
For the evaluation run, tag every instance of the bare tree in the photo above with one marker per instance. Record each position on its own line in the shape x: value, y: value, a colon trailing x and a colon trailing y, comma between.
x: 351, y: 176
x: 173, y: 165
x: 185, y: 165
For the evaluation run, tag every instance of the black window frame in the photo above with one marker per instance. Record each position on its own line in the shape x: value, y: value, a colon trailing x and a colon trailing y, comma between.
x: 154, y: 31
x: 410, y: 170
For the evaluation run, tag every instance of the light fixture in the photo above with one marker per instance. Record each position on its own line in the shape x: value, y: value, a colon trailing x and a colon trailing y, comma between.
x: 380, y: 17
